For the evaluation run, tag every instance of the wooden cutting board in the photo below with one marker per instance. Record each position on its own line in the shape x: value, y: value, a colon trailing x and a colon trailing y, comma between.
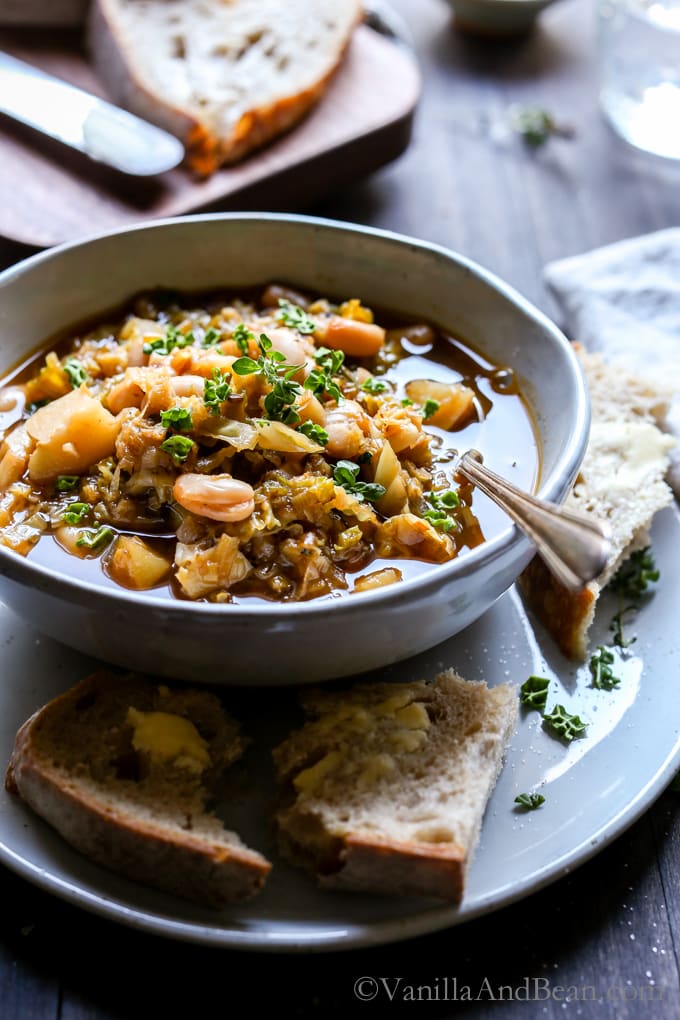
x: 50, y: 194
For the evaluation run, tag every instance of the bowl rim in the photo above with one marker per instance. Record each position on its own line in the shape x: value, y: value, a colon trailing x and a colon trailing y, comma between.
x: 25, y: 571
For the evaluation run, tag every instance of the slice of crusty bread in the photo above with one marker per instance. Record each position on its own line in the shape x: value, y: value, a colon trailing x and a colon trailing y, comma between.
x: 75, y: 763
x: 225, y: 76
x: 621, y: 481
x: 387, y: 783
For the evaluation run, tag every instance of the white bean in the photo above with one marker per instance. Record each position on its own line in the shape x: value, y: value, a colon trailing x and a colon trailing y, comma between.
x: 217, y: 497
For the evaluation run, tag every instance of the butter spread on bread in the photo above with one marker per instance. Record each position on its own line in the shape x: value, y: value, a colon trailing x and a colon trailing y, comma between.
x: 621, y: 481
x: 385, y: 786
x: 123, y: 769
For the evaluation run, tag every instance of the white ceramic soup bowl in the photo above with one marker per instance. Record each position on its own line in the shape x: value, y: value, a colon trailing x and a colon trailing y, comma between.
x: 258, y: 642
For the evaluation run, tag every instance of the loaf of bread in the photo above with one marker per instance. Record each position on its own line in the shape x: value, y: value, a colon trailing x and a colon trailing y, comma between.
x: 225, y: 77
x: 621, y: 481
x: 386, y: 785
x: 123, y: 769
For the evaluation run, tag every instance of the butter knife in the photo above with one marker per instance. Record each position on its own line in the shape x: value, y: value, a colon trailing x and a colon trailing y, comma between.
x: 94, y: 127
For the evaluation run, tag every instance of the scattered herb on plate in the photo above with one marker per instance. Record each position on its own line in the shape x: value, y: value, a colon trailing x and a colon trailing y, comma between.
x: 529, y: 801
x: 601, y: 670
x: 534, y: 692
x: 565, y: 725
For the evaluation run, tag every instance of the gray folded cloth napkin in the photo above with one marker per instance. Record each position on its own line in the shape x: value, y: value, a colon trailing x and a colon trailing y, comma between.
x: 624, y: 301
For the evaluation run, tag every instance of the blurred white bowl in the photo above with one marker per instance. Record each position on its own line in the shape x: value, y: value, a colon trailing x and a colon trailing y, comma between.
x: 496, y: 17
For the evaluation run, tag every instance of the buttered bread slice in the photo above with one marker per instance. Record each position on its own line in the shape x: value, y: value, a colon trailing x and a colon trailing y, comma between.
x: 621, y: 481
x: 123, y: 769
x: 386, y: 785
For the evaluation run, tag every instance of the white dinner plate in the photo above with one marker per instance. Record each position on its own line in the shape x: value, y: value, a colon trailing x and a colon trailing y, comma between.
x: 593, y: 788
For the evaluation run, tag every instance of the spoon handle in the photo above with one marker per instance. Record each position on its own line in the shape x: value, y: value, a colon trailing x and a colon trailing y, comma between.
x: 574, y: 547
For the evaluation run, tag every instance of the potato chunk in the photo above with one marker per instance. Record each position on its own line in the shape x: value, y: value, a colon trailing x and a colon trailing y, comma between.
x: 14, y: 454
x: 456, y: 401
x: 134, y: 564
x: 71, y: 434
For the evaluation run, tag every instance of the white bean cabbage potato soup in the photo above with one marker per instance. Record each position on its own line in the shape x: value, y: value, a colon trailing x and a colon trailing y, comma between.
x: 268, y: 445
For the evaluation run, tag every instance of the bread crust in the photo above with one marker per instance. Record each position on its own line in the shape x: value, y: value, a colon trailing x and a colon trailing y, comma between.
x: 399, y: 869
x: 205, y: 150
x: 190, y: 866
x: 566, y: 615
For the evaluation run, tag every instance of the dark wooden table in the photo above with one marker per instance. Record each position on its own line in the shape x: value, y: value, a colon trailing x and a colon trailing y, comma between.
x: 613, y: 924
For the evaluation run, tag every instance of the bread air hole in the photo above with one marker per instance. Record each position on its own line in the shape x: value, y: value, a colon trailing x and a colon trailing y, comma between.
x: 129, y: 765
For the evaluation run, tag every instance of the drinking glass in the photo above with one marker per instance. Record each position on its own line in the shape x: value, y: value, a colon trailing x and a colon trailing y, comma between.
x: 639, y: 62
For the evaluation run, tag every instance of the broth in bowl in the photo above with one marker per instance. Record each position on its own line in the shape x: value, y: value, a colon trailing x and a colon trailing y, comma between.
x: 263, y: 444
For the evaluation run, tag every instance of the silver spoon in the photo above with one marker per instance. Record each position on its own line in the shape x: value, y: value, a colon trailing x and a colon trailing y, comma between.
x: 574, y: 547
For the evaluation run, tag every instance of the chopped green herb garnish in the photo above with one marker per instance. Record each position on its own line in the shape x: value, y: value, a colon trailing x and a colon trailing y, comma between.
x: 319, y: 381
x: 178, y: 418
x: 365, y: 458
x: 632, y: 581
x: 373, y: 385
x: 75, y: 512
x: 272, y: 366
x: 75, y: 372
x: 430, y: 407
x: 211, y: 338
x: 95, y: 539
x: 246, y: 366
x: 165, y: 344
x: 216, y: 390
x: 279, y: 402
x: 330, y: 361
x: 35, y: 405
x: 601, y: 670
x: 633, y: 577
x: 441, y: 503
x: 314, y: 432
x: 563, y: 724
x: 179, y: 448
x: 536, y: 126
x: 530, y: 801
x: 242, y: 335
x: 446, y: 500
x: 616, y: 626
x: 440, y: 520
x: 534, y: 692
x: 65, y: 483
x: 346, y: 474
x: 406, y: 402
x: 295, y: 317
